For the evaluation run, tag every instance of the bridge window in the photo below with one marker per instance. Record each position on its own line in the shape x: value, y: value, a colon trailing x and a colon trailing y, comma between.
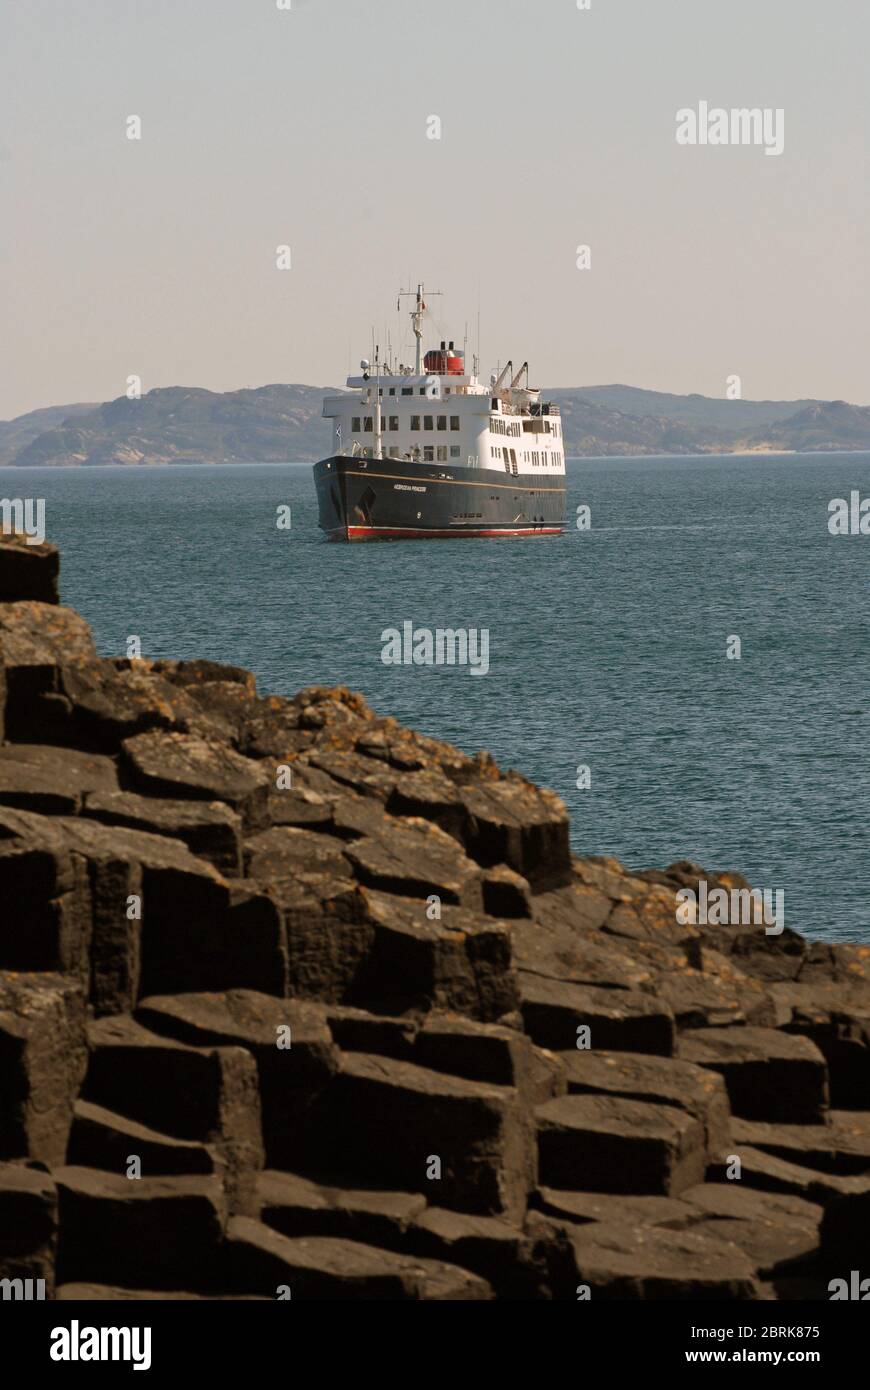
x: 428, y: 422
x: 367, y: 423
x: 442, y: 422
x: 454, y: 451
x: 415, y: 422
x: 354, y: 424
x: 454, y: 422
x: 429, y: 453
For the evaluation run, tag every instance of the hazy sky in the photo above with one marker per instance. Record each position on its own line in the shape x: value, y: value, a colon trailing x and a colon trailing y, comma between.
x: 308, y: 127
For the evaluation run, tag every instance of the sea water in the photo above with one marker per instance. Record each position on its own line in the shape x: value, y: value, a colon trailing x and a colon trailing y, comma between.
x: 613, y: 675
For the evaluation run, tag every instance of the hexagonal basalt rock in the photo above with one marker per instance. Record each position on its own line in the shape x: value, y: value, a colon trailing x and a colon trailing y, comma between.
x: 664, y: 1081
x: 43, y: 1055
x: 466, y: 1143
x: 290, y: 1041
x: 28, y: 569
x: 616, y: 1019
x: 416, y: 859
x: 28, y: 1226
x: 769, y: 1074
x: 184, y: 766
x: 603, y: 1143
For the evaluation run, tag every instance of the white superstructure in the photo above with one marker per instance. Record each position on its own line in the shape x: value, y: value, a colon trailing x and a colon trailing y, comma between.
x: 437, y: 412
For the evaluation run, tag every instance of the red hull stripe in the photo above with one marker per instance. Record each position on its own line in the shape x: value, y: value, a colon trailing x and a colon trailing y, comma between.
x: 375, y: 533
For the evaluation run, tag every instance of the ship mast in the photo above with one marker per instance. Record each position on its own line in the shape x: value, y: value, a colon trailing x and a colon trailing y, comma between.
x: 417, y: 323
x: 379, y: 449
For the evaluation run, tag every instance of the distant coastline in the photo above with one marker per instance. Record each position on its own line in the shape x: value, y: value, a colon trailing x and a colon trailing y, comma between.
x: 280, y: 423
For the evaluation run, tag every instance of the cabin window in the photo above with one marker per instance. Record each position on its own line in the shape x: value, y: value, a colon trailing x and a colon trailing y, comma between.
x: 428, y: 422
x: 354, y: 424
x: 442, y: 453
x: 454, y: 422
x: 415, y: 422
x: 367, y: 423
x: 394, y: 422
x: 454, y: 451
x: 394, y: 451
x: 392, y: 390
x: 442, y: 422
x: 407, y: 390
x: 429, y: 453
x: 422, y: 390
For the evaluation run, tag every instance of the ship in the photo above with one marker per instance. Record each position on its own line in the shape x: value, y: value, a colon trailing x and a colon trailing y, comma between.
x: 430, y: 451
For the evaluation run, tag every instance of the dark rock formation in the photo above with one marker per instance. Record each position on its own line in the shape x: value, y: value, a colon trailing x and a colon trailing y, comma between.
x: 295, y: 1000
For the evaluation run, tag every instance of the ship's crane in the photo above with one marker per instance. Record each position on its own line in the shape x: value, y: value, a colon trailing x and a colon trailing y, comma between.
x: 496, y: 385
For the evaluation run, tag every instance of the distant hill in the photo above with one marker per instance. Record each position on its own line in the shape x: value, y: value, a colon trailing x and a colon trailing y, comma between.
x: 692, y: 409
x: 180, y: 424
x: 14, y: 434
x: 274, y: 424
x: 823, y: 426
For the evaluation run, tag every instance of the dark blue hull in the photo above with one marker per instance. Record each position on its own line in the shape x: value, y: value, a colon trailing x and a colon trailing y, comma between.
x: 366, y: 499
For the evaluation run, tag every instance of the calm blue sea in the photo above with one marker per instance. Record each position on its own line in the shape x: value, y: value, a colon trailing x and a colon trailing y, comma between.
x: 607, y: 647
